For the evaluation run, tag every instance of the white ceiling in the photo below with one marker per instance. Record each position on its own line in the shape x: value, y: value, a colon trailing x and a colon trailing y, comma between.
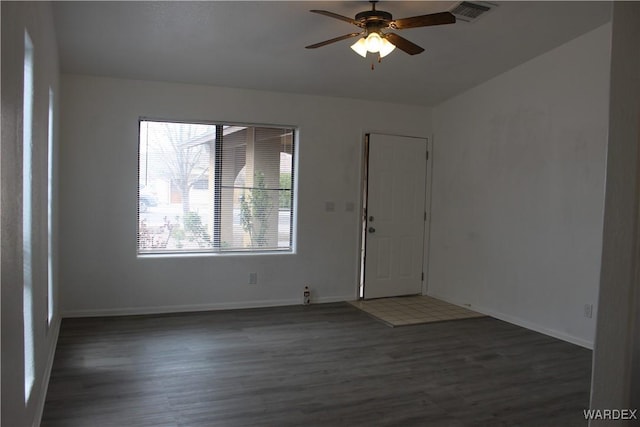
x: 260, y: 45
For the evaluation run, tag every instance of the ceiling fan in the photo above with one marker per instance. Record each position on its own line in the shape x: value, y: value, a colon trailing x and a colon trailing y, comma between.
x: 374, y: 24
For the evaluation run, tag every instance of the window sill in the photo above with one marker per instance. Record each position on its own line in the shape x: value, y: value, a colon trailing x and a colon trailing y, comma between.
x: 213, y: 254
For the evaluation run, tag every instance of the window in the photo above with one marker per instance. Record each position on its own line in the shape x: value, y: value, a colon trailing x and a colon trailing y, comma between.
x: 50, y: 296
x: 27, y: 218
x: 215, y: 188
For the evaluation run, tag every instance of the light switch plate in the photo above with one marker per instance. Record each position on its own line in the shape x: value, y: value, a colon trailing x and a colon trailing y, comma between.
x: 253, y: 278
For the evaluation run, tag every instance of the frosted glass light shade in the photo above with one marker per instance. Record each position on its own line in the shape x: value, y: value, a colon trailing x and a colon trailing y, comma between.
x: 374, y: 42
x: 360, y: 47
x: 386, y: 48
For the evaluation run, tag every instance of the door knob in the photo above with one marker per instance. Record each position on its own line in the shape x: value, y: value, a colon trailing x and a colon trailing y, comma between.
x: 372, y: 230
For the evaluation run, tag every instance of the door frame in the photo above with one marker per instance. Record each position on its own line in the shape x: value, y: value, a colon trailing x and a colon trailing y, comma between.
x: 363, y: 223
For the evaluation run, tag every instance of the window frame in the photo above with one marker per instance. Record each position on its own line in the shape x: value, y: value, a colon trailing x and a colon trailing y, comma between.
x: 216, y: 250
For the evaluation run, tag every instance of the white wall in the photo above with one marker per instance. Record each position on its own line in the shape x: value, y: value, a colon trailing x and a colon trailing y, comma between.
x: 616, y: 368
x: 518, y: 191
x: 36, y: 17
x: 100, y: 273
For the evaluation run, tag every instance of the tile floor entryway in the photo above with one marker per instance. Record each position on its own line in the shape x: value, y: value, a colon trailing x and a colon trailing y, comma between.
x: 412, y: 310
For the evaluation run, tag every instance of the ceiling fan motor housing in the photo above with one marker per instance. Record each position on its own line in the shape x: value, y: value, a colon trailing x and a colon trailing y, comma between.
x: 374, y: 20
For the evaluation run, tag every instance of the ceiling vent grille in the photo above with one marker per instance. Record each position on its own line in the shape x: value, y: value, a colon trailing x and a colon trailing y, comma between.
x: 470, y: 11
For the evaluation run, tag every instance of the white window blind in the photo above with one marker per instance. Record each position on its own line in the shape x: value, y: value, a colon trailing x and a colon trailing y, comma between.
x: 214, y: 187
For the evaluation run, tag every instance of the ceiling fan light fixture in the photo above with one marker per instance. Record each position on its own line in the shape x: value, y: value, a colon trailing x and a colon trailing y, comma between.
x: 360, y: 47
x: 373, y: 43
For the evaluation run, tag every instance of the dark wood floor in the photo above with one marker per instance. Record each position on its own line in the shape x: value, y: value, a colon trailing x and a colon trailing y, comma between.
x: 319, y: 365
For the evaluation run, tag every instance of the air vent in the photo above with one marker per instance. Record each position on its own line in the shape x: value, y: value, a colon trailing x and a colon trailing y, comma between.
x: 470, y: 11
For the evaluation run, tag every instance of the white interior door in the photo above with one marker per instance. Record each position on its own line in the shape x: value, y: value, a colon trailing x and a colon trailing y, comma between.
x: 395, y: 221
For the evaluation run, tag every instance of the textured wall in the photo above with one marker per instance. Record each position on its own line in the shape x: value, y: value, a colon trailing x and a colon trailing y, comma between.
x: 36, y: 18
x: 616, y: 373
x: 100, y: 272
x: 518, y: 191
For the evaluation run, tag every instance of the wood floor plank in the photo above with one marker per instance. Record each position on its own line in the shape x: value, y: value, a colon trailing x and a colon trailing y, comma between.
x: 319, y: 365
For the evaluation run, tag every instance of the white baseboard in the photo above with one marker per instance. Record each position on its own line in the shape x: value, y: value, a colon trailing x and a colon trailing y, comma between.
x: 44, y: 384
x: 131, y: 311
x: 519, y: 322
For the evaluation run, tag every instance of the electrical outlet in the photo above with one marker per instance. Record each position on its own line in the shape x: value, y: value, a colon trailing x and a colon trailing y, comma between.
x: 253, y: 278
x: 588, y: 310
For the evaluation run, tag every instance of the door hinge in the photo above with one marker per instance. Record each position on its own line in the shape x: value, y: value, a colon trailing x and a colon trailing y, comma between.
x: 422, y: 276
x: 427, y: 155
x: 425, y: 215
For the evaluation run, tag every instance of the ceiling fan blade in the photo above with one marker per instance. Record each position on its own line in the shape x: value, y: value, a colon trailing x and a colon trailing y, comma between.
x: 336, y: 16
x: 404, y: 44
x: 423, y: 21
x: 337, y: 39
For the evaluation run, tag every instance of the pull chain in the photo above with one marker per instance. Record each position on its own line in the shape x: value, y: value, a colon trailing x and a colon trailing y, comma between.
x: 379, y: 61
